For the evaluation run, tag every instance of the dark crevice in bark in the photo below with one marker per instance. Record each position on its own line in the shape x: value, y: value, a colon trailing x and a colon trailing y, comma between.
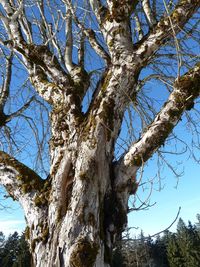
x: 61, y: 258
x: 114, y: 219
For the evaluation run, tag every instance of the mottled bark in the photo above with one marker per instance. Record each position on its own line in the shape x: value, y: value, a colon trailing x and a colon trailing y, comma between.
x: 75, y: 216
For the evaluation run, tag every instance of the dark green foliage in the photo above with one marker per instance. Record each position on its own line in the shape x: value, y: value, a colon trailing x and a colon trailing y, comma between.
x: 159, y: 250
x: 118, y: 258
x: 184, y: 246
x: 180, y: 249
x: 14, y: 251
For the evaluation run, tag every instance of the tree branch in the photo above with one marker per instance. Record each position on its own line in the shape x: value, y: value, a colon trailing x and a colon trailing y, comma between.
x: 50, y: 92
x: 5, y: 89
x: 90, y: 34
x: 69, y: 42
x: 20, y: 110
x: 183, y: 11
x: 148, y: 12
x: 98, y: 9
x: 10, y: 21
x: 186, y: 90
x: 121, y: 10
x: 17, y: 178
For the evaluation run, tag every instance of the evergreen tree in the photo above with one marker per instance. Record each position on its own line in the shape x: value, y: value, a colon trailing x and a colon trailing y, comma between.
x: 159, y: 250
x: 23, y: 257
x: 184, y: 247
x: 173, y: 253
x: 14, y: 251
x: 10, y: 250
x: 2, y: 244
x: 198, y: 224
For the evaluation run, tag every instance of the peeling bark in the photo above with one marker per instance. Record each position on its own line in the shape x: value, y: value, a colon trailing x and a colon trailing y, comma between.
x: 75, y: 216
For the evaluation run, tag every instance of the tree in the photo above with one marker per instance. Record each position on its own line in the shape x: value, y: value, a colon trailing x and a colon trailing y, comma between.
x: 159, y: 249
x: 57, y: 55
x: 14, y: 251
x: 183, y: 247
x: 2, y: 244
x: 23, y: 258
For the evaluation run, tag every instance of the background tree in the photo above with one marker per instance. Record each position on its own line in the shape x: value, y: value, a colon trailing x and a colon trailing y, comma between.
x: 14, y: 251
x: 88, y: 64
x: 183, y: 247
x: 166, y: 250
x: 2, y: 243
x: 159, y: 249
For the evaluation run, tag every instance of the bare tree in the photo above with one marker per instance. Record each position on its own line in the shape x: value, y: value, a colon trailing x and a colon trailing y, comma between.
x: 89, y: 63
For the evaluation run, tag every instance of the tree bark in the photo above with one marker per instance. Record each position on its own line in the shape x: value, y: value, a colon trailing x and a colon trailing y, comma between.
x: 75, y: 216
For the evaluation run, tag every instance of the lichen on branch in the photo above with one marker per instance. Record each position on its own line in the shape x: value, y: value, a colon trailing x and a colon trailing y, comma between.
x: 16, y: 175
x: 186, y: 90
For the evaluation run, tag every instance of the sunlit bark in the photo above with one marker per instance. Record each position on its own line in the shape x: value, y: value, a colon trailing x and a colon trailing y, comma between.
x: 75, y: 216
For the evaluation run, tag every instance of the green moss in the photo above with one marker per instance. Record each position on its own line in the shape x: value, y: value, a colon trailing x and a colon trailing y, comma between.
x: 106, y: 81
x: 83, y: 176
x: 107, y: 116
x: 27, y: 232
x: 28, y: 179
x: 40, y: 200
x: 89, y: 124
x: 84, y: 254
x: 42, y: 197
x: 59, y: 215
x: 45, y: 234
x: 33, y: 243
x: 26, y: 188
x: 137, y: 161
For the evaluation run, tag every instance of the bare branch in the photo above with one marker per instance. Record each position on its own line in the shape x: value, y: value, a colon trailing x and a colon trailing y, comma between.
x: 90, y: 34
x: 5, y: 89
x: 139, y: 28
x: 149, y: 15
x: 69, y: 42
x: 21, y: 110
x: 99, y: 9
x: 18, y: 178
x: 160, y: 34
x: 186, y: 90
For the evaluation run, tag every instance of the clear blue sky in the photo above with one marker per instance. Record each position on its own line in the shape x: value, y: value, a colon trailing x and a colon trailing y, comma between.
x: 168, y: 201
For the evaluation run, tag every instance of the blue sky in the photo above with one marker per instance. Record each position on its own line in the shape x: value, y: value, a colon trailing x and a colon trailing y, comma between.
x: 168, y: 201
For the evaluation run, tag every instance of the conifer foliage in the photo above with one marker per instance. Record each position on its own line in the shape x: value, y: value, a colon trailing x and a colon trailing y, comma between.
x: 180, y: 249
x: 14, y: 251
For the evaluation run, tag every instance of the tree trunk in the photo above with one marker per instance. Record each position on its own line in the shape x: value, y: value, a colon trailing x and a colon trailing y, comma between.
x: 81, y: 230
x: 78, y: 215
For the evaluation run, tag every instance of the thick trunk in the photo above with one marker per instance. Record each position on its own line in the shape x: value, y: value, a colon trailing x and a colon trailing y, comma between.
x: 81, y: 216
x: 83, y: 229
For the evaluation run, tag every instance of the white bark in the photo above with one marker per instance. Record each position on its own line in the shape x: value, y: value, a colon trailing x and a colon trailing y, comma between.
x: 77, y: 213
x: 149, y: 15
